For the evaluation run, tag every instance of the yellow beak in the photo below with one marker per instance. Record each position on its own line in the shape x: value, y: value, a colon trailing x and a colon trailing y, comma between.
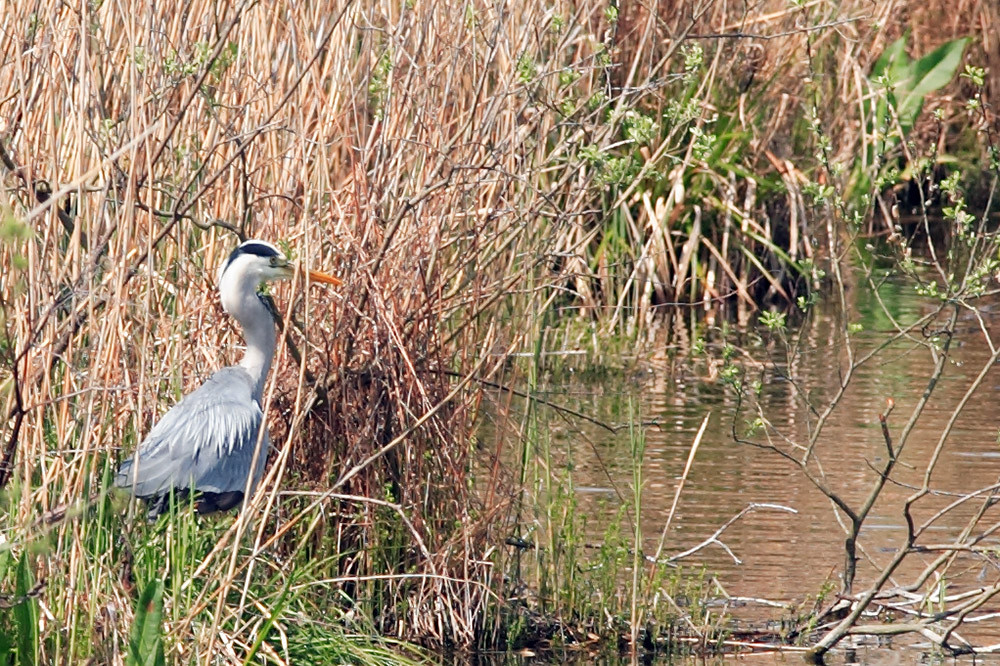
x: 319, y: 276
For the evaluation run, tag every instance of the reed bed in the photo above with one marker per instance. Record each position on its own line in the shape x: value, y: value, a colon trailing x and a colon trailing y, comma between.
x: 469, y: 168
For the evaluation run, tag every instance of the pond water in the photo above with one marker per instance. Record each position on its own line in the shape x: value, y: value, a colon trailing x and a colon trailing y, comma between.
x: 777, y: 555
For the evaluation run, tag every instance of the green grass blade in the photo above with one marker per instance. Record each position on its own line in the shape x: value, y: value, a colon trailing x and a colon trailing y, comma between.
x: 275, y: 612
x: 26, y: 615
x: 146, y: 647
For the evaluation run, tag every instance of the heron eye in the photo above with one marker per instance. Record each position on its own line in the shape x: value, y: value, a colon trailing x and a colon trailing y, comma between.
x: 274, y: 261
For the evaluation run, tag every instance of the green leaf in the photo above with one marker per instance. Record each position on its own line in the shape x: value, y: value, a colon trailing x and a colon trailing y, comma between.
x: 892, y: 61
x: 6, y: 649
x: 931, y: 72
x: 936, y: 69
x: 26, y: 615
x: 908, y: 83
x: 146, y: 646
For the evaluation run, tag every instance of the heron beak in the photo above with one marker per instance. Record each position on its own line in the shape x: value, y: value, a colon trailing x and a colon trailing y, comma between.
x: 318, y: 276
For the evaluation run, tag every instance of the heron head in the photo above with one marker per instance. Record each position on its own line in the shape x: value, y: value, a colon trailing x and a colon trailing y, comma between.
x: 255, y: 262
x: 252, y: 264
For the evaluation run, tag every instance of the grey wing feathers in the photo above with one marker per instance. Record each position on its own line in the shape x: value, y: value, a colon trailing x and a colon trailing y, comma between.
x: 206, y: 441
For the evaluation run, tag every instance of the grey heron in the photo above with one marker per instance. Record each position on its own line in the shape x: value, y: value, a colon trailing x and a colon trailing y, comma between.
x: 207, y: 442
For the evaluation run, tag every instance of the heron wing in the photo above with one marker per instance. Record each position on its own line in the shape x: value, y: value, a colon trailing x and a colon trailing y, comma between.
x: 205, y: 442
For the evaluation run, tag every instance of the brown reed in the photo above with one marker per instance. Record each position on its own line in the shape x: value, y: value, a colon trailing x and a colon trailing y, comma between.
x: 428, y: 152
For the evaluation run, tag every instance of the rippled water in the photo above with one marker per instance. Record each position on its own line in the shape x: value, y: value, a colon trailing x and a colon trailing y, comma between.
x: 782, y: 556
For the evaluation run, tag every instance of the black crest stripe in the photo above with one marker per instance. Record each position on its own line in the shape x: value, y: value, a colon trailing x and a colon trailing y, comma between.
x: 250, y: 247
x: 257, y: 248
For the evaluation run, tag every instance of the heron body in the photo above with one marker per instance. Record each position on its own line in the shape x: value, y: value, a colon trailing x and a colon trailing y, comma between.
x: 210, y: 443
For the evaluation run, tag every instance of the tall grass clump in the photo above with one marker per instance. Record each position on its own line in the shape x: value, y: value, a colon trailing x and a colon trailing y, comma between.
x: 474, y: 171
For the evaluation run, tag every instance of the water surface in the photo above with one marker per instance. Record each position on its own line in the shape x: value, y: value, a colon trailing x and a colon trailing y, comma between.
x: 776, y: 555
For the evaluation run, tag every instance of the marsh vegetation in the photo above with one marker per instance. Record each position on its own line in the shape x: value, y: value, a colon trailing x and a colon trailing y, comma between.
x: 511, y: 191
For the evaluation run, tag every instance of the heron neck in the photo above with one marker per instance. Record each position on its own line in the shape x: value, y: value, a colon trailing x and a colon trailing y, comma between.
x: 258, y: 331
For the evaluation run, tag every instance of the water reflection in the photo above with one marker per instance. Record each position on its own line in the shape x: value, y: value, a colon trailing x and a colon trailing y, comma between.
x: 776, y: 555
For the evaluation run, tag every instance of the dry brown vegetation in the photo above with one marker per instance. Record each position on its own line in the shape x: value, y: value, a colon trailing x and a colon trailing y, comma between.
x: 429, y: 152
